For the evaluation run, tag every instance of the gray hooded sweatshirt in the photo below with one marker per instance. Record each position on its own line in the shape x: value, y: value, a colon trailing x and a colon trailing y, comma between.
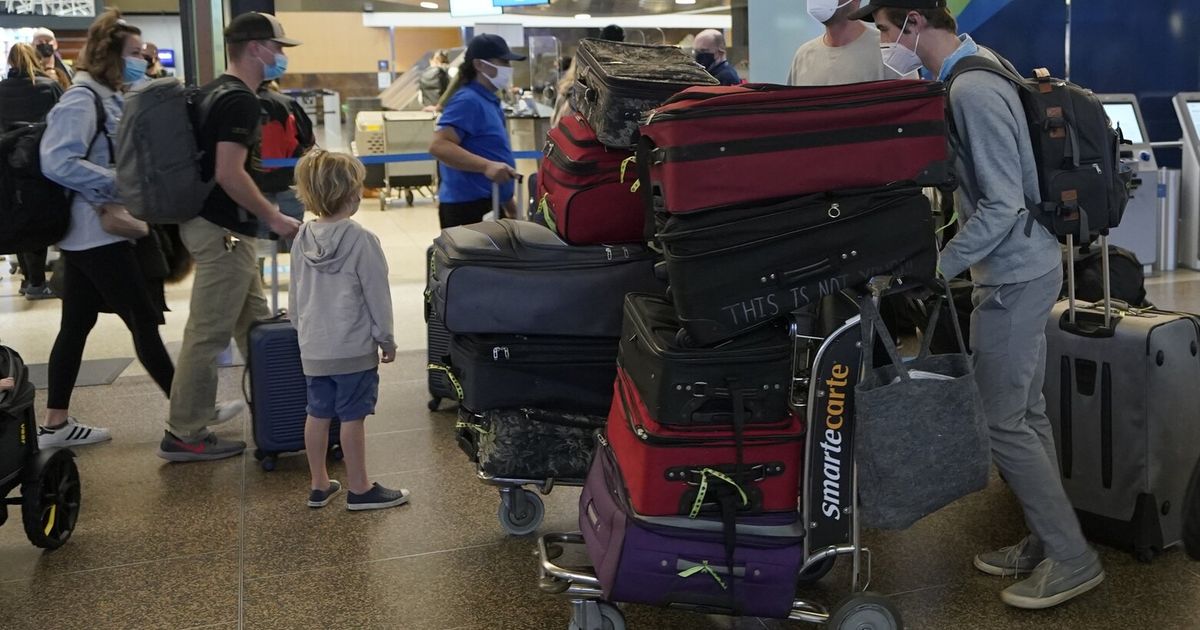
x: 340, y: 300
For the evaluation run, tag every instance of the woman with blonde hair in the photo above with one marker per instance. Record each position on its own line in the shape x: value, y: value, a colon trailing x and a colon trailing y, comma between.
x: 101, y: 269
x: 26, y: 95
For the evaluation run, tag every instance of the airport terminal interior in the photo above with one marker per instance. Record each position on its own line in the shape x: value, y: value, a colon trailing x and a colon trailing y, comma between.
x: 229, y: 544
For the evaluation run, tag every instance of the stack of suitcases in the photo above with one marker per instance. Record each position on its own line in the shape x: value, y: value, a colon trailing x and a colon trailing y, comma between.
x: 524, y: 319
x: 762, y: 200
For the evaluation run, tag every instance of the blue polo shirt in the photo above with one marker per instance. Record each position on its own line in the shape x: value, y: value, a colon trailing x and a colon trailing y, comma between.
x: 476, y: 116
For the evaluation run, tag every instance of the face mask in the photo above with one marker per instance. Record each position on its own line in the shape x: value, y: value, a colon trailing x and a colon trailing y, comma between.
x: 135, y: 69
x: 900, y: 59
x: 503, y: 78
x: 275, y: 70
x: 706, y: 59
x: 46, y: 50
x: 823, y: 10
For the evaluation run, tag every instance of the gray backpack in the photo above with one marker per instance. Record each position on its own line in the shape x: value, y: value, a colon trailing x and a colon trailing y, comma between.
x: 159, y: 162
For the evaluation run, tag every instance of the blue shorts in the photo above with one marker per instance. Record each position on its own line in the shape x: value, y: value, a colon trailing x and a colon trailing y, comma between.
x: 343, y: 397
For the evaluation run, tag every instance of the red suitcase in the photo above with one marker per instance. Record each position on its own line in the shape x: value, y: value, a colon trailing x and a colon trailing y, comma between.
x: 668, y: 470
x: 588, y: 189
x: 717, y: 147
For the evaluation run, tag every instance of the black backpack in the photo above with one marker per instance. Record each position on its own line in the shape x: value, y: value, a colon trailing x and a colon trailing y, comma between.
x: 34, y: 210
x: 1084, y: 183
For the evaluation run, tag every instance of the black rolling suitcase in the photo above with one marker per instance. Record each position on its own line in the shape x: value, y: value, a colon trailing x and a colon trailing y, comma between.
x: 617, y: 82
x: 734, y: 270
x: 437, y: 343
x: 278, y: 393
x: 694, y: 387
x: 1120, y: 393
x: 573, y: 374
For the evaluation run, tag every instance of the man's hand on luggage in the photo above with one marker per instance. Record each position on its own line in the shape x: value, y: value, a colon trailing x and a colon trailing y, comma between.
x: 283, y: 225
x: 388, y: 356
x: 500, y: 172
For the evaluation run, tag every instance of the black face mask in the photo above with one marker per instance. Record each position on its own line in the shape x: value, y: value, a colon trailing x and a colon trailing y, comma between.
x: 46, y: 50
x: 706, y: 59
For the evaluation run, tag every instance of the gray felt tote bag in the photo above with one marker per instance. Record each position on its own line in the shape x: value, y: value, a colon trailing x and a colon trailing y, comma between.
x: 923, y: 438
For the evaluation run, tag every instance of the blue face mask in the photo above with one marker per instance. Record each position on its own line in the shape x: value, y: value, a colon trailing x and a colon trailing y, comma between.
x: 275, y: 70
x: 135, y: 69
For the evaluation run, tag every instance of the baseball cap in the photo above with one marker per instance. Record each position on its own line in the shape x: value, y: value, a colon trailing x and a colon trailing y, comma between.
x: 490, y: 46
x: 249, y: 27
x: 867, y: 12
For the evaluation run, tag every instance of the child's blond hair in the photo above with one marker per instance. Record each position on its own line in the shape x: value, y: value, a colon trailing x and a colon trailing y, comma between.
x: 326, y: 181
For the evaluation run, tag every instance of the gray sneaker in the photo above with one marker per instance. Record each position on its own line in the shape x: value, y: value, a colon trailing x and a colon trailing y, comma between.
x: 207, y: 448
x: 1054, y: 582
x: 1015, y: 561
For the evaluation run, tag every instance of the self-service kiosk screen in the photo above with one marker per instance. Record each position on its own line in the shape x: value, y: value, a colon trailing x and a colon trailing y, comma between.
x: 1194, y: 114
x: 1124, y: 115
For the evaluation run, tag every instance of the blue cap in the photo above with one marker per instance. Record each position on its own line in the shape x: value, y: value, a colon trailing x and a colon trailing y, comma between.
x: 489, y: 46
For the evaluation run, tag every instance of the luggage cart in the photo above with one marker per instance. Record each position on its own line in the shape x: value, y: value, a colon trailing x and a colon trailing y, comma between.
x: 816, y: 360
x: 408, y: 132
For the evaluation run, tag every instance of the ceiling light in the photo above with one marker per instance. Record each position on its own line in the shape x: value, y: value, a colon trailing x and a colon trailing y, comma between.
x: 685, y: 1
x: 582, y: 16
x: 434, y: 5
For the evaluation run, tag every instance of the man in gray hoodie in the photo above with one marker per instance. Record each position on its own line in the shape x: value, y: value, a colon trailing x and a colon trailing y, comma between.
x: 1016, y: 266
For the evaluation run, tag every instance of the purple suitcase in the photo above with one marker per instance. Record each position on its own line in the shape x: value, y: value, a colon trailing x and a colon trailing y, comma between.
x: 681, y: 562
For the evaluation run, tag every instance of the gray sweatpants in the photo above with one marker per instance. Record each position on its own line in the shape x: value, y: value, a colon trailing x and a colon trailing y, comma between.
x: 1008, y: 339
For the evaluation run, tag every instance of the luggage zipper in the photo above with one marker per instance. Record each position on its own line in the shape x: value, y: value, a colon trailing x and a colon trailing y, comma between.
x: 786, y: 107
x: 575, y: 167
x: 712, y: 441
x: 835, y: 212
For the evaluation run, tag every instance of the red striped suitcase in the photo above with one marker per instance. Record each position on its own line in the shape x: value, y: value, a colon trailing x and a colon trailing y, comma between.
x: 588, y: 189
x: 670, y: 471
x: 719, y: 147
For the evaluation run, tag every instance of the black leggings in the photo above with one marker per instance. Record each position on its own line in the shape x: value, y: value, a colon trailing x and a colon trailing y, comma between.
x: 33, y: 267
x: 93, y: 279
x: 452, y: 214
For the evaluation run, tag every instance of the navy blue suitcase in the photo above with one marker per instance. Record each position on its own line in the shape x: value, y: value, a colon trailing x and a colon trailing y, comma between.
x: 278, y: 394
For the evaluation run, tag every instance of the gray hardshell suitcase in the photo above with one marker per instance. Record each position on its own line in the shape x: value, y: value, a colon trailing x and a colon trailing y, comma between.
x: 1121, y: 396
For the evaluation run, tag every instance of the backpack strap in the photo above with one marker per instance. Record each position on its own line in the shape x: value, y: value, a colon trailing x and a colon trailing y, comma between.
x: 1004, y: 69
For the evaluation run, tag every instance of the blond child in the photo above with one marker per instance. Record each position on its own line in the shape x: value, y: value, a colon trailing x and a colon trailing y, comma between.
x: 341, y: 305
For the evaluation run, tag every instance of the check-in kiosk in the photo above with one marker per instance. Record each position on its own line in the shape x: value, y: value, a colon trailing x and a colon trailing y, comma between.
x: 1187, y: 106
x: 1139, y: 229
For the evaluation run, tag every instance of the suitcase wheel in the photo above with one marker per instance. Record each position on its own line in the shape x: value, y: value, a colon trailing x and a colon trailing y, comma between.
x: 434, y: 403
x: 590, y: 615
x: 866, y: 610
x: 266, y: 461
x: 335, y: 452
x: 521, y: 511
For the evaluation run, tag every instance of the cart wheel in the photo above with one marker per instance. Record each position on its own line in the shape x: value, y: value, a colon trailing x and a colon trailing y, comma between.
x: 50, y: 501
x: 525, y: 522
x: 866, y: 611
x: 553, y: 585
x: 817, y: 571
x: 267, y: 463
x: 611, y: 618
x: 434, y: 403
x: 408, y: 196
x: 335, y: 452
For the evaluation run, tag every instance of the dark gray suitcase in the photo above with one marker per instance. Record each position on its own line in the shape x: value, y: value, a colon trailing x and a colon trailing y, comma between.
x: 1122, y: 400
x: 616, y: 82
x: 518, y: 278
x: 437, y: 343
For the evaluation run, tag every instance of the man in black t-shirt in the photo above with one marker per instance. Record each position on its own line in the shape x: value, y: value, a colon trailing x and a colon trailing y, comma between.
x: 226, y: 292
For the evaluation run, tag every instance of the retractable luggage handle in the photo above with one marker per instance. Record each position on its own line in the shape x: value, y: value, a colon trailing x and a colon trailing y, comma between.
x: 518, y: 180
x: 1108, y: 328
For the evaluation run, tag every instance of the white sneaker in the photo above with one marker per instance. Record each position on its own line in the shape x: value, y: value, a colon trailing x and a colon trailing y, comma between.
x: 71, y: 434
x: 228, y: 410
